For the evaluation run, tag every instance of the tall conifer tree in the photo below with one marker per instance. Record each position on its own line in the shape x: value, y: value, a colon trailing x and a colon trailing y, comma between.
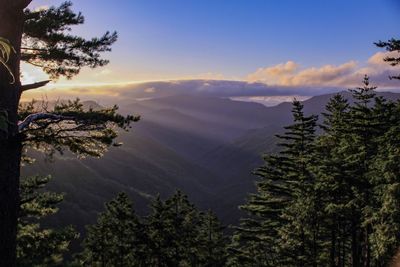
x: 116, y: 239
x: 38, y: 245
x: 282, y: 228
x: 211, y: 241
x: 333, y: 182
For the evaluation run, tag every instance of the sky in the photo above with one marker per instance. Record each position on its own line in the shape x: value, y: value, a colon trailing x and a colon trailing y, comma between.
x: 283, y: 43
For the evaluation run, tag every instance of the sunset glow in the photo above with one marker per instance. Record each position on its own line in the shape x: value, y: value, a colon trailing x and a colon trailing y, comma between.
x: 160, y: 42
x: 199, y: 133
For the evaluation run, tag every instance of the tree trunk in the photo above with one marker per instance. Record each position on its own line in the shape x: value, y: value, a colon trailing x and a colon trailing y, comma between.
x: 333, y: 245
x: 366, y: 247
x: 10, y: 154
x: 355, y: 244
x: 11, y: 28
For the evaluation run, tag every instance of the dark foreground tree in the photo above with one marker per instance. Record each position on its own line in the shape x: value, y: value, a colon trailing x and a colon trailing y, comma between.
x: 334, y: 182
x: 332, y: 200
x: 38, y: 245
x: 392, y: 45
x: 212, y: 242
x: 174, y: 234
x: 173, y: 230
x: 117, y: 237
x: 282, y: 227
x: 42, y: 38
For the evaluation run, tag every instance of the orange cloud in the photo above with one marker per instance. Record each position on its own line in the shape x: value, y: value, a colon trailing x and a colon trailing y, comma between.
x: 348, y: 74
x: 276, y: 74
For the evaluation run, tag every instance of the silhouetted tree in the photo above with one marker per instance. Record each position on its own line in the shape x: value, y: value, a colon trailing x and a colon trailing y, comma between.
x: 283, y: 226
x: 36, y: 245
x: 175, y: 233
x: 42, y: 38
x: 116, y: 238
x: 330, y: 200
x: 392, y: 45
x: 356, y: 175
x: 333, y: 183
x: 173, y: 228
x: 211, y: 241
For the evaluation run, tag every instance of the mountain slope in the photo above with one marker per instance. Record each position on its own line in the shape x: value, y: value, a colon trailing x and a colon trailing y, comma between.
x: 205, y: 146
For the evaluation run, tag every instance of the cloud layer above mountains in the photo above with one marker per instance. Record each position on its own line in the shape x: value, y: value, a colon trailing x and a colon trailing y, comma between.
x: 217, y: 88
x: 286, y: 79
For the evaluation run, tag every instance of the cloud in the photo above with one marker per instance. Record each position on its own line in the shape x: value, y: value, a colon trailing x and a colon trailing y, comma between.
x: 103, y: 72
x: 150, y: 90
x: 41, y: 8
x: 283, y: 80
x: 204, y: 76
x: 348, y: 74
x: 276, y: 74
x: 328, y: 75
x: 378, y: 58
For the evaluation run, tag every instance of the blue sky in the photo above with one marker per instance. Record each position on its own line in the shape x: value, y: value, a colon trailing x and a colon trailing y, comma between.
x: 230, y: 39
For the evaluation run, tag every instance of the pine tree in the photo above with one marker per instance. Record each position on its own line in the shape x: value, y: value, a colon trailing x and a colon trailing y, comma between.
x: 42, y: 38
x: 333, y: 183
x: 282, y: 228
x: 385, y: 221
x: 256, y: 240
x: 160, y: 234
x: 211, y: 241
x: 173, y: 228
x: 360, y: 150
x: 47, y: 45
x: 38, y: 246
x: 331, y: 200
x: 354, y: 155
x: 184, y: 218
x: 299, y: 235
x: 348, y: 172
x: 174, y: 234
x: 116, y: 240
x: 392, y: 45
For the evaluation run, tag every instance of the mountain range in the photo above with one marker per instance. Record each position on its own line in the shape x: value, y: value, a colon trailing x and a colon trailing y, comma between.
x: 206, y: 146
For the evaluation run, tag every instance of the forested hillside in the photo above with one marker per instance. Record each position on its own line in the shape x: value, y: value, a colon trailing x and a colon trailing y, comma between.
x: 177, y: 145
x: 326, y: 195
x: 223, y: 134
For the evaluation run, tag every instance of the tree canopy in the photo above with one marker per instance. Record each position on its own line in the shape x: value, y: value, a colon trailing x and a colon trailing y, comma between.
x: 332, y: 199
x: 47, y: 42
x: 392, y: 45
x: 44, y: 38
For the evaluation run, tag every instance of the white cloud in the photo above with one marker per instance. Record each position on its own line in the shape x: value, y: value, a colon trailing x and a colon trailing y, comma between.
x: 103, y: 72
x: 150, y: 90
x: 205, y: 76
x: 378, y: 58
x: 41, y: 8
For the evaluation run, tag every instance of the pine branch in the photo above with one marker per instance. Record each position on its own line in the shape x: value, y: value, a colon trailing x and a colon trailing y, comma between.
x: 24, y: 3
x: 36, y: 85
x: 48, y: 44
x: 40, y: 116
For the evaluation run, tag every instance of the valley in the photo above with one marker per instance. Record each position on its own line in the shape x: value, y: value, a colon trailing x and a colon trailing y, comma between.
x: 205, y: 146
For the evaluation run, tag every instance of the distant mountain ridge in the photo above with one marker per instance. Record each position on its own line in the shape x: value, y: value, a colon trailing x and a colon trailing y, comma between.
x: 206, y: 146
